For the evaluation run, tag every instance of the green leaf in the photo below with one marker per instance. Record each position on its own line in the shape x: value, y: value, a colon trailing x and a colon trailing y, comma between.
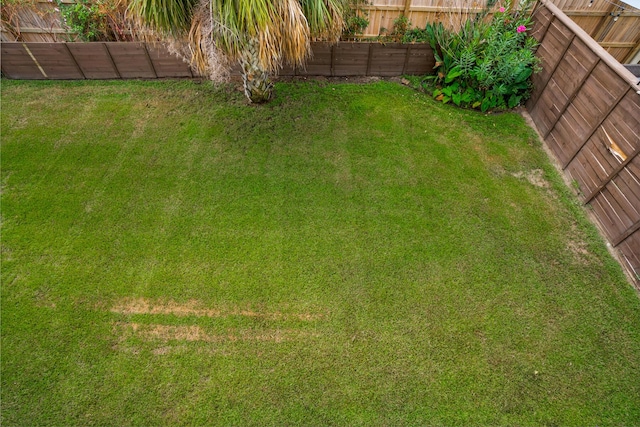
x: 486, y: 103
x: 453, y: 73
x: 456, y: 98
x: 514, y: 100
x: 447, y: 91
x: 445, y: 99
x: 475, y: 104
x: 524, y: 75
x: 467, y: 96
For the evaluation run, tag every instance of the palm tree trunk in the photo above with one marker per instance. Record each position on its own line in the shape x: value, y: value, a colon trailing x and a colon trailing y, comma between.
x: 257, y: 83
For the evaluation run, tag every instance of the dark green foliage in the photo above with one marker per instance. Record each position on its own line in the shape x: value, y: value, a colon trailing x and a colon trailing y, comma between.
x: 355, y: 18
x: 415, y: 35
x: 86, y: 20
x: 486, y: 64
x: 355, y: 25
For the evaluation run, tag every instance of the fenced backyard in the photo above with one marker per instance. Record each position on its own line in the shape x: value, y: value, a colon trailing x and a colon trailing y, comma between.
x: 346, y: 254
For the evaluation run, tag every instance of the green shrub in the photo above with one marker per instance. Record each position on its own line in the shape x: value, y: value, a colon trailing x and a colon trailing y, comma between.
x: 415, y: 35
x: 85, y: 19
x: 355, y: 18
x: 486, y: 64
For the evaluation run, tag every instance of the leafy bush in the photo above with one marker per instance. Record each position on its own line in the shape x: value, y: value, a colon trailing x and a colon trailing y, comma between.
x: 85, y: 19
x: 415, y: 35
x: 486, y: 64
x: 355, y: 18
x: 398, y: 34
x: 355, y: 25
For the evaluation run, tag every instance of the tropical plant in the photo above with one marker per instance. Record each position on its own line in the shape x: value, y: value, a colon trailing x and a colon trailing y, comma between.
x: 261, y: 34
x: 487, y: 63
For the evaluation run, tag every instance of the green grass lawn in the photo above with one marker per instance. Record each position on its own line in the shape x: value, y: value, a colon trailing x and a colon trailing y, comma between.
x: 345, y: 255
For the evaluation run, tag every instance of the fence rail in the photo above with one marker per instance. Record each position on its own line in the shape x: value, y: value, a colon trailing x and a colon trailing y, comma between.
x: 586, y: 105
x: 115, y: 60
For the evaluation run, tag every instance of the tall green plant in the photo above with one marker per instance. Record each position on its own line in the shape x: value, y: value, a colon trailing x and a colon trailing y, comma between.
x: 487, y: 63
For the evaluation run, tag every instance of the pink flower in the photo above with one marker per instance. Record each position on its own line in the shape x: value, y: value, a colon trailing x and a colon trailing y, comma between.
x: 501, y: 9
x: 522, y: 29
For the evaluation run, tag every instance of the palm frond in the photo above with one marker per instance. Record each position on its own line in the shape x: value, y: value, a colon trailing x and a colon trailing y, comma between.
x: 325, y: 17
x: 166, y: 16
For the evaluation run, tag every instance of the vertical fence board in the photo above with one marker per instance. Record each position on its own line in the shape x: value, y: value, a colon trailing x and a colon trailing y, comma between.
x: 550, y: 53
x: 541, y: 21
x: 630, y: 249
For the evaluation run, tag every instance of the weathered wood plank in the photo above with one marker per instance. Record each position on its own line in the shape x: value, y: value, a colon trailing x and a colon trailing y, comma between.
x: 388, y: 59
x: 131, y: 60
x: 350, y: 59
x: 17, y: 63
x: 630, y: 249
x: 93, y: 60
x: 166, y: 64
x: 420, y: 60
x: 56, y: 61
x: 320, y: 62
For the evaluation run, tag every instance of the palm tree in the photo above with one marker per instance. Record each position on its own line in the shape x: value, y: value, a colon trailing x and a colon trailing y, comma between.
x: 261, y: 34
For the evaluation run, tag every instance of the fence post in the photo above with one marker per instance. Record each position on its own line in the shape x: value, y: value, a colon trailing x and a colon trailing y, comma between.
x: 406, y: 59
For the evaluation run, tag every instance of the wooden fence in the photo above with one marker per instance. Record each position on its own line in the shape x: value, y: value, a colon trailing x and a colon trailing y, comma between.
x: 587, y: 108
x: 616, y: 30
x: 115, y: 60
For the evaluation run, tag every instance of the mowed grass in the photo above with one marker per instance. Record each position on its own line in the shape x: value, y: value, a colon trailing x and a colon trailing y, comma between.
x: 345, y: 255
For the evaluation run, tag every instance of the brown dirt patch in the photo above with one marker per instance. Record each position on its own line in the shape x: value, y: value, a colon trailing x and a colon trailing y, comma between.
x: 194, y: 308
x: 535, y: 177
